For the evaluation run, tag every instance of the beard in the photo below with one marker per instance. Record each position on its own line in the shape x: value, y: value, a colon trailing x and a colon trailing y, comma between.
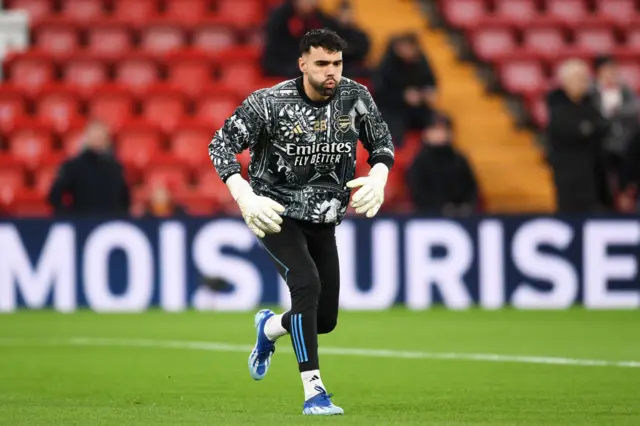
x: 322, y: 89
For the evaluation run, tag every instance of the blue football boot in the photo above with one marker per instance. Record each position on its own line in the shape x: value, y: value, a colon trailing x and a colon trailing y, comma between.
x: 321, y: 405
x: 260, y: 357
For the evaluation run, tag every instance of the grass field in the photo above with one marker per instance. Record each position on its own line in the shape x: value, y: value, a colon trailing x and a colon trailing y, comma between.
x: 435, y: 367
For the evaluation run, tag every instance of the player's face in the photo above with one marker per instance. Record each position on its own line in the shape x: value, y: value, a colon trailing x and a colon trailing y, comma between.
x: 323, y: 70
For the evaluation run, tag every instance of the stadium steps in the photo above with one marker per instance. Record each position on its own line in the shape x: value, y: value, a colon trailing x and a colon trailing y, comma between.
x: 511, y: 170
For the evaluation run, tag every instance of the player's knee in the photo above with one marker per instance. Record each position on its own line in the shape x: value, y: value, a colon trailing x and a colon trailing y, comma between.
x: 326, y: 324
x: 305, y: 288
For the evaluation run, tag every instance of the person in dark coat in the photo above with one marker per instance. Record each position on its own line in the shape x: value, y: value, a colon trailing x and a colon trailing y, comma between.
x: 358, y: 43
x: 405, y: 87
x: 440, y: 179
x: 575, y: 133
x: 285, y: 26
x: 93, y: 182
x: 629, y: 201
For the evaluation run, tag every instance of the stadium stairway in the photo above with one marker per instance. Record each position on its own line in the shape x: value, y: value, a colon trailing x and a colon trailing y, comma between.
x: 511, y: 169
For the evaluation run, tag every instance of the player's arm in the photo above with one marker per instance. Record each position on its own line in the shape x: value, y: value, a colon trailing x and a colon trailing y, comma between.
x: 242, y: 131
x: 376, y: 138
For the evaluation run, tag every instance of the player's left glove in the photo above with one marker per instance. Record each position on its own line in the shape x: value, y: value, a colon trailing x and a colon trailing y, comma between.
x: 369, y: 198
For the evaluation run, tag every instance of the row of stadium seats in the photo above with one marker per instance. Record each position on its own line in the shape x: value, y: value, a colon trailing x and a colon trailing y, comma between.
x: 470, y: 14
x: 245, y: 12
x: 189, y: 70
x: 163, y: 104
x: 525, y: 41
x: 61, y: 35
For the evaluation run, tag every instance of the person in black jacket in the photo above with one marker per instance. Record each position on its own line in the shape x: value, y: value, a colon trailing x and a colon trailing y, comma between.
x: 405, y: 87
x: 285, y: 27
x: 93, y: 182
x: 358, y: 43
x: 440, y: 179
x: 575, y: 133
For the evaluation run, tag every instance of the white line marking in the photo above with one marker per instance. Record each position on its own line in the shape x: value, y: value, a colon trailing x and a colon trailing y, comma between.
x: 371, y: 353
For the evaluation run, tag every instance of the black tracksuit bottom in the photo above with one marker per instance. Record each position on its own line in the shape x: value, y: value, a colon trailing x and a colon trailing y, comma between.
x: 306, y: 256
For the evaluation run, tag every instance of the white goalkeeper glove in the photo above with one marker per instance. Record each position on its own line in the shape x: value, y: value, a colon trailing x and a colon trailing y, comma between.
x: 261, y: 214
x: 369, y: 198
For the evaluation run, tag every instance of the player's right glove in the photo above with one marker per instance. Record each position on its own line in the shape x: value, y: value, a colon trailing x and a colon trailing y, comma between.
x: 261, y: 214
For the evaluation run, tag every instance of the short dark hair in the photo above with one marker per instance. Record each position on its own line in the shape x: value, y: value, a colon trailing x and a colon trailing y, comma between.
x: 324, y: 38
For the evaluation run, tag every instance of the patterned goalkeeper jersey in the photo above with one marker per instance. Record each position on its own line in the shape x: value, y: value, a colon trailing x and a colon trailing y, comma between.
x: 303, y: 152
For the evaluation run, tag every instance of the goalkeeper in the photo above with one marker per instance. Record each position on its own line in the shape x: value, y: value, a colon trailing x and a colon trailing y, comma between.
x: 302, y: 136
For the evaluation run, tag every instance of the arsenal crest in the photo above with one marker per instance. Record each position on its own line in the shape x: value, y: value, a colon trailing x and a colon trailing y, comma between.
x: 344, y: 122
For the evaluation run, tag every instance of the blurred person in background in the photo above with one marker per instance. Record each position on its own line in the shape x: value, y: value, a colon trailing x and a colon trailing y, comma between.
x: 629, y: 200
x: 617, y: 103
x: 576, y: 132
x: 405, y: 86
x: 358, y: 43
x: 285, y: 27
x: 162, y: 204
x: 93, y: 182
x: 440, y: 179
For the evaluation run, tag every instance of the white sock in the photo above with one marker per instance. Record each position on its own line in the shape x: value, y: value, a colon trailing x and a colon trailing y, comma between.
x: 311, y: 379
x: 274, y: 329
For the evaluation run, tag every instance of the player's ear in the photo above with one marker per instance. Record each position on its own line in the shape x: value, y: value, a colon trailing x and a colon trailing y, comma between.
x: 302, y: 64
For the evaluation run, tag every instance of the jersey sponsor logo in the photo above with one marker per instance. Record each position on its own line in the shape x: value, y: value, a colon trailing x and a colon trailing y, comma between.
x: 317, y: 153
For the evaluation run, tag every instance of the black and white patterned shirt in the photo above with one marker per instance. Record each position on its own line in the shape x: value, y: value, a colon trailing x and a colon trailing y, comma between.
x: 303, y: 152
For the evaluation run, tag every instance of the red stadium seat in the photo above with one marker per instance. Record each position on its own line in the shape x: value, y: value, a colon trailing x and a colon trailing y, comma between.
x: 214, y: 35
x: 162, y: 36
x: 215, y: 106
x: 491, y: 43
x: 58, y: 106
x: 210, y: 185
x: 56, y: 36
x: 242, y: 12
x: 187, y: 11
x: 243, y: 75
x: 164, y: 106
x: 108, y: 38
x: 84, y: 72
x: 12, y: 106
x: 113, y: 104
x: 539, y: 113
x: 618, y: 10
x: 463, y: 13
x: 630, y: 74
x: 31, y: 141
x: 12, y: 179
x: 516, y: 10
x: 544, y: 40
x: 37, y: 9
x: 190, y: 71
x: 522, y: 77
x: 137, y: 71
x: 633, y: 37
x: 30, y: 204
x: 595, y: 38
x: 166, y: 171
x: 188, y: 143
x: 30, y: 70
x: 137, y: 142
x: 135, y: 12
x: 44, y: 178
x: 569, y: 11
x: 83, y: 10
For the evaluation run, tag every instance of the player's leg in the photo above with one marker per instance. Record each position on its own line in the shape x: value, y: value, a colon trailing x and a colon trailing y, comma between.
x: 285, y: 248
x: 290, y: 253
x: 324, y: 252
x: 322, y: 247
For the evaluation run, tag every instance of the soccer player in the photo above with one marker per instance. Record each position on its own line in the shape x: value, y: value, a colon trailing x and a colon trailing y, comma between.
x: 302, y: 135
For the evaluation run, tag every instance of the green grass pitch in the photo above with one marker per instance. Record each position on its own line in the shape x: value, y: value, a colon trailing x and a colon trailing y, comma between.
x: 157, y: 368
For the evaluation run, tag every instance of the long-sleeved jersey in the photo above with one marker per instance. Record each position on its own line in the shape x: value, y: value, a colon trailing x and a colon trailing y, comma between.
x: 303, y: 152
